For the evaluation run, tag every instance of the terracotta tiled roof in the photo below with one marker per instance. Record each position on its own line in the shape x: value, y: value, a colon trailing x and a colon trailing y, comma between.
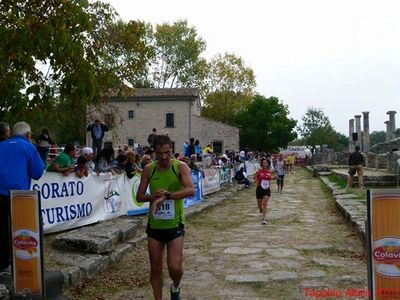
x: 152, y: 94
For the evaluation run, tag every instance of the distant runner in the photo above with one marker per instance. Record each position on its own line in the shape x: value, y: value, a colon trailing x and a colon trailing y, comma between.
x: 280, y: 170
x: 263, y: 191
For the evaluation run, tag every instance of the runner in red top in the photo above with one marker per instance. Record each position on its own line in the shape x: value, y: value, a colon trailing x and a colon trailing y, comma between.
x: 263, y: 191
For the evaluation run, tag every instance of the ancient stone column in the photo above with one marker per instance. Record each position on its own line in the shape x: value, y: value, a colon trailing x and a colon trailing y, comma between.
x: 387, y: 131
x: 358, y: 130
x: 392, y: 123
x: 351, y: 131
x: 366, y: 139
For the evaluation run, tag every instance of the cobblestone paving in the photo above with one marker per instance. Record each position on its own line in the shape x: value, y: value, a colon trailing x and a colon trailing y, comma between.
x: 304, y: 248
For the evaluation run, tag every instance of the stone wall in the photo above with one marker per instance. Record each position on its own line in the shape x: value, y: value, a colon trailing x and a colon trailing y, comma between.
x: 148, y: 115
x: 382, y: 160
x: 386, y: 147
x: 207, y: 130
x: 386, y: 161
x: 394, y: 162
x: 331, y: 158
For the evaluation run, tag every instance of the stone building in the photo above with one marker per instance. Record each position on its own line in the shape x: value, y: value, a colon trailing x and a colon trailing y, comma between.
x: 174, y: 111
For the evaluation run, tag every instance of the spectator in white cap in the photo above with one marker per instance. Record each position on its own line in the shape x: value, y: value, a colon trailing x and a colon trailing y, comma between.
x: 87, y: 152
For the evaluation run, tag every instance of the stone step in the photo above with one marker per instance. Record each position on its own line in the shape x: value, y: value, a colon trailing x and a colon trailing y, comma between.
x: 100, y: 238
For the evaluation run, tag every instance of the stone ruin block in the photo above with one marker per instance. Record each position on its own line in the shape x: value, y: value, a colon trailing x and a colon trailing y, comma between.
x: 382, y: 161
x: 372, y: 160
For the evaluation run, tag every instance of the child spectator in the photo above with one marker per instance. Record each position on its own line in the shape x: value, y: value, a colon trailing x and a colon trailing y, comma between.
x: 104, y: 160
x: 81, y: 168
x: 119, y: 164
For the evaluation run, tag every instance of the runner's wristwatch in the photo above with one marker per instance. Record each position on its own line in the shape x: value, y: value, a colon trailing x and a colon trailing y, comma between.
x: 167, y: 195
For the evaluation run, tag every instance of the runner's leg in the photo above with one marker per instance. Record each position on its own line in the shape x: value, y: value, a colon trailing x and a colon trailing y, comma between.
x: 259, y: 204
x: 264, y: 205
x: 175, y: 259
x: 156, y: 250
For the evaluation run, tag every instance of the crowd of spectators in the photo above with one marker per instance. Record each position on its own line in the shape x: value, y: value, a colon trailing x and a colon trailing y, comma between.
x: 84, y: 161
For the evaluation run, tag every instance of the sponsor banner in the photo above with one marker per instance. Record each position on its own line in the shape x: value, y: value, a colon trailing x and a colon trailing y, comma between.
x: 27, y: 245
x: 133, y: 206
x: 198, y: 192
x: 299, y: 151
x: 210, y: 181
x: 224, y: 175
x: 69, y: 202
x: 383, y: 242
x: 251, y: 167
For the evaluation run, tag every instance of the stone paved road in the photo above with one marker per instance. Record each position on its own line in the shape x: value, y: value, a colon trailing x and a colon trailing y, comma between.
x: 304, y: 248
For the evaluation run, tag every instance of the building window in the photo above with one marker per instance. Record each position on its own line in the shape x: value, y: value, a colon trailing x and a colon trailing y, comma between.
x: 170, y: 120
x: 131, y: 114
x: 131, y: 142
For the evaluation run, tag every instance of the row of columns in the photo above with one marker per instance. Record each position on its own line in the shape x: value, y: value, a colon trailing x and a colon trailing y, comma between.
x: 362, y: 138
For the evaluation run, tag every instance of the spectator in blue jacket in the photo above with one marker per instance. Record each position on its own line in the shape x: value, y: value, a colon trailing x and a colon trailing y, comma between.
x: 20, y: 162
x: 97, y: 130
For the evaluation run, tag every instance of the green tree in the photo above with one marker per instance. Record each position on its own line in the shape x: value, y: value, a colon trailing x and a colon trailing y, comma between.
x: 265, y: 125
x: 317, y: 130
x: 42, y: 55
x: 56, y: 57
x: 377, y: 137
x: 177, y: 61
x: 228, y: 88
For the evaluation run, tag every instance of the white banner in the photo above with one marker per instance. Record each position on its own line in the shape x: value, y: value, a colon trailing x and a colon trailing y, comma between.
x: 210, y: 181
x: 69, y: 202
x: 251, y: 167
x: 134, y: 207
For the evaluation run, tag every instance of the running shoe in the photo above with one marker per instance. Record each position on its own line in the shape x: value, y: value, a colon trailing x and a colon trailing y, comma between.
x: 264, y: 222
x: 175, y: 295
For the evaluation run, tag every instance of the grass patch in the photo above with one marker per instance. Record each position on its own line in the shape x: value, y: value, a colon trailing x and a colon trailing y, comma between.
x: 338, y: 181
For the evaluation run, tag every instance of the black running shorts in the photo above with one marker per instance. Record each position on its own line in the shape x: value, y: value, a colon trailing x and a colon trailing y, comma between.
x: 165, y: 235
x: 260, y: 192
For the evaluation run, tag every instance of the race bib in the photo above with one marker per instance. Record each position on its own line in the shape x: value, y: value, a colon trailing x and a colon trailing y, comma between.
x: 264, y: 184
x: 166, y: 211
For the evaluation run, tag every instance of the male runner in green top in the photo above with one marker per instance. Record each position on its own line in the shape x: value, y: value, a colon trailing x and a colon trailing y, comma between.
x: 170, y: 182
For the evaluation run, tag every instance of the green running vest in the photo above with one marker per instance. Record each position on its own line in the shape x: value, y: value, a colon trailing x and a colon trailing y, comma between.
x: 171, y: 212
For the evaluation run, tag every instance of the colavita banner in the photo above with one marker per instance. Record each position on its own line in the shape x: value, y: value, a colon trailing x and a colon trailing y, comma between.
x: 384, y: 243
x: 27, y: 249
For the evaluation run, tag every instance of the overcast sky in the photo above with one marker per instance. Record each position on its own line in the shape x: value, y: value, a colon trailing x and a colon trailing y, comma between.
x: 342, y: 56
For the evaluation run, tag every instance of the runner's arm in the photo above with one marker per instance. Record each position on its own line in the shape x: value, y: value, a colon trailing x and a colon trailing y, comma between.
x: 141, y: 195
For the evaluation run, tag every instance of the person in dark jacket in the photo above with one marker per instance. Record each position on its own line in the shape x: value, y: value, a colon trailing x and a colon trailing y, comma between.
x: 4, y: 131
x: 20, y: 162
x: 151, y: 138
x: 241, y: 177
x: 191, y: 149
x: 97, y: 130
x: 356, y: 161
x: 43, y: 143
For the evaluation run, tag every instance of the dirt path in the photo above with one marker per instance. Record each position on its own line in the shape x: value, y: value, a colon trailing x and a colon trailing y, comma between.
x: 304, y: 248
